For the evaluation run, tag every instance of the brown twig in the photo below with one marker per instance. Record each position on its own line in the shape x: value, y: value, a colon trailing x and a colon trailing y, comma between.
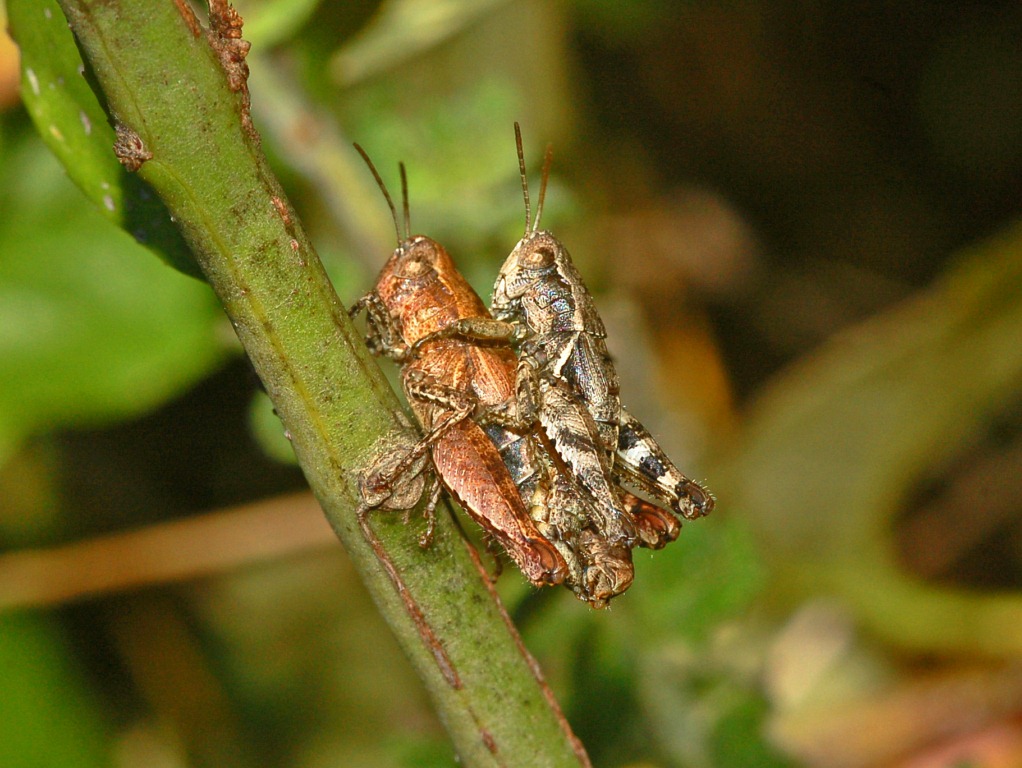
x: 173, y: 551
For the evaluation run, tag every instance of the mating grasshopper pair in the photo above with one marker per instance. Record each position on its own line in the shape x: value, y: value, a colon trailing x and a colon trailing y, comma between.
x: 536, y: 449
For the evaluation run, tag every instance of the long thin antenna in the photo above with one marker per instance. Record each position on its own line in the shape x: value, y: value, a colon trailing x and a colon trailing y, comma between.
x: 547, y: 161
x: 525, y: 181
x: 404, y: 199
x: 386, y: 194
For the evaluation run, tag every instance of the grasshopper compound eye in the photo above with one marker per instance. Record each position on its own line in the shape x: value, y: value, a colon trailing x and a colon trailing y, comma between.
x: 539, y: 257
x: 414, y: 266
x: 420, y: 257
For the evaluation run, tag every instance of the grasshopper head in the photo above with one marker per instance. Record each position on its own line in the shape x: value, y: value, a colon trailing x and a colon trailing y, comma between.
x: 412, y: 285
x: 534, y: 258
x: 537, y: 253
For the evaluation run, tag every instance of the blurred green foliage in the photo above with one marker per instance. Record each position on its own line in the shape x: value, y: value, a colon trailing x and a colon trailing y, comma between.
x: 70, y: 119
x: 49, y: 715
x: 868, y: 327
x: 92, y: 330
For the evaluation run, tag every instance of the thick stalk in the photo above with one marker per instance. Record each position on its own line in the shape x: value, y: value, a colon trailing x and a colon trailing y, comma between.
x: 178, y: 99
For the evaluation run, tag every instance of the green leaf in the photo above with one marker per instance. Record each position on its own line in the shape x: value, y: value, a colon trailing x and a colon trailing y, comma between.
x: 75, y: 127
x: 836, y: 444
x: 404, y: 29
x: 738, y: 738
x: 707, y: 577
x: 271, y: 22
x: 90, y: 330
x: 47, y: 715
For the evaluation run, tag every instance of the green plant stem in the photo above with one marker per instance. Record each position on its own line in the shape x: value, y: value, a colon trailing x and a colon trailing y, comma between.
x: 165, y: 85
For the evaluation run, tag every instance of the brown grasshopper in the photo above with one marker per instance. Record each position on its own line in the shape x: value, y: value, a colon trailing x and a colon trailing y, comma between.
x: 567, y: 382
x: 451, y: 386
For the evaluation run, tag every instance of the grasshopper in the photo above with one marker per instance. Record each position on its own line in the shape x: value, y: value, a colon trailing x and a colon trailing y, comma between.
x: 444, y: 383
x: 597, y: 569
x: 541, y: 294
x: 451, y: 386
x: 566, y: 381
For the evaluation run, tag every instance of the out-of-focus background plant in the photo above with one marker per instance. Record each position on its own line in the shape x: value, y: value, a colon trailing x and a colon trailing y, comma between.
x: 802, y: 225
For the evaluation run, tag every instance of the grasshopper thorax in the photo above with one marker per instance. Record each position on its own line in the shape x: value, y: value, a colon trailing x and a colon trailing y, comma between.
x: 422, y: 289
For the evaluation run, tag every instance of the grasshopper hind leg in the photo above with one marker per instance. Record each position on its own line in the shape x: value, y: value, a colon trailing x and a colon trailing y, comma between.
x: 642, y: 462
x: 655, y: 526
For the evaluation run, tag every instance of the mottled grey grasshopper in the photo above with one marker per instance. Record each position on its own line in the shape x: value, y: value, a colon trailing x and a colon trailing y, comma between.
x: 567, y: 382
x: 562, y: 344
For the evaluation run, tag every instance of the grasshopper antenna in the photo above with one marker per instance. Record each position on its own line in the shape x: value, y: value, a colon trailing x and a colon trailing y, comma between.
x: 386, y: 194
x: 525, y: 180
x: 547, y: 161
x: 404, y: 200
